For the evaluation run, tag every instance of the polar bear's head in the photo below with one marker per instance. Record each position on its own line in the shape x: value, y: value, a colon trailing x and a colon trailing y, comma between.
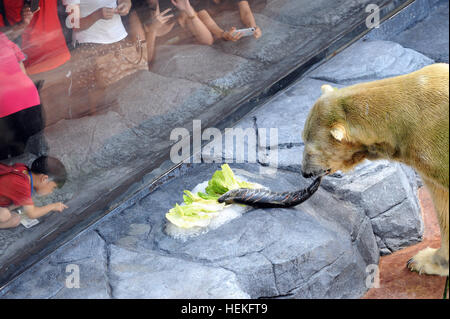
x: 328, y: 144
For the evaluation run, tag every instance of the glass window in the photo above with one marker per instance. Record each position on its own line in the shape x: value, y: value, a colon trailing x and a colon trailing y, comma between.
x: 94, y: 93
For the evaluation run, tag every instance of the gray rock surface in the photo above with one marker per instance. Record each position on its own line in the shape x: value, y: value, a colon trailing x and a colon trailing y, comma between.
x: 382, y: 59
x: 48, y: 278
x: 283, y: 245
x: 321, y: 12
x: 275, y: 35
x: 151, y: 275
x: 403, y: 20
x: 418, y: 36
x: 94, y: 133
x: 146, y: 99
x: 226, y: 147
x: 264, y: 253
x: 388, y: 197
x: 206, y: 65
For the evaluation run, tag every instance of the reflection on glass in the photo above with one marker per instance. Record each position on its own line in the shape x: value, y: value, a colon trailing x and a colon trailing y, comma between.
x: 94, y: 88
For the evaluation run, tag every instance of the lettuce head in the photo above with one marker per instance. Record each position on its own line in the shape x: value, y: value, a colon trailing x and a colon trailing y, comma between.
x: 198, y: 209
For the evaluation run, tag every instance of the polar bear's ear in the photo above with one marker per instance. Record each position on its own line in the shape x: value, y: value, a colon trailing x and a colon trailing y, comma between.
x: 338, y: 132
x: 327, y: 89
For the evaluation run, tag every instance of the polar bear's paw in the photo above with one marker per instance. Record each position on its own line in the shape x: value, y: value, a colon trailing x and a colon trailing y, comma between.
x: 428, y: 261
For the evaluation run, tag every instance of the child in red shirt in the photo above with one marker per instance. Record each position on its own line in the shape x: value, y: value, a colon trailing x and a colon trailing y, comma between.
x: 18, y: 183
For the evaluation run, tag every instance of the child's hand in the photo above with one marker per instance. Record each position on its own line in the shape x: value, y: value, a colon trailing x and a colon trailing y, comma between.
x: 107, y: 13
x: 231, y: 36
x: 59, y: 207
x: 258, y: 32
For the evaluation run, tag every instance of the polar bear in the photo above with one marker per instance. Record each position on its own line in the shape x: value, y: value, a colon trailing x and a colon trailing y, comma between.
x: 402, y: 119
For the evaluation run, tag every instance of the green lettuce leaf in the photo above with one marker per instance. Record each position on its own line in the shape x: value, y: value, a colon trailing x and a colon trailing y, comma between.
x: 184, y: 217
x: 224, y: 181
x: 190, y: 198
x: 201, y: 207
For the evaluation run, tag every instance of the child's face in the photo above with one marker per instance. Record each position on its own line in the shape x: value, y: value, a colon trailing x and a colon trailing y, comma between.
x: 45, y: 186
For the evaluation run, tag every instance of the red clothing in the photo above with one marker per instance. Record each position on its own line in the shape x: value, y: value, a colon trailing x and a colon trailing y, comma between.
x: 15, y: 188
x: 2, y: 23
x: 17, y: 91
x: 43, y: 40
x: 13, y: 10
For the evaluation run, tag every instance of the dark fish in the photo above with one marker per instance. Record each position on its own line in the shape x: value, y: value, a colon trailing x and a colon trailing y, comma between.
x: 262, y: 198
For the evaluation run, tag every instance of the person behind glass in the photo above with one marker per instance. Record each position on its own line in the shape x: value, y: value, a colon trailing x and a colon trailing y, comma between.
x: 149, y: 21
x: 146, y: 23
x: 42, y: 40
x: 13, y: 25
x: 20, y: 109
x: 245, y: 12
x: 18, y: 185
x: 188, y: 17
x: 98, y: 31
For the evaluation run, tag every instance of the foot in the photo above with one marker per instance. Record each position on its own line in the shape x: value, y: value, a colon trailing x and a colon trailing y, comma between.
x: 428, y: 261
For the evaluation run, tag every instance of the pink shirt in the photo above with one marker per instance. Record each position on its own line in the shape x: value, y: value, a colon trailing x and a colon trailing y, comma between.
x: 17, y: 91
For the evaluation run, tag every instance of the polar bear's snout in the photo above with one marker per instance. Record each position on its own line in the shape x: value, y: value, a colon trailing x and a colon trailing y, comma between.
x: 315, y: 173
x: 310, y: 170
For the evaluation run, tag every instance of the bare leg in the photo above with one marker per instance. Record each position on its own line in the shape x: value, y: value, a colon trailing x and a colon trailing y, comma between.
x: 432, y: 261
x: 8, y: 219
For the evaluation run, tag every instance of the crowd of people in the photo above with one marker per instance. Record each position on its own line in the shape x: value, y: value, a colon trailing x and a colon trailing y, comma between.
x: 103, y: 41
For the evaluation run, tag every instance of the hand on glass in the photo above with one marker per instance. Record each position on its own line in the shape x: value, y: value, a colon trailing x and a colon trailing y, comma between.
x: 231, y: 35
x: 59, y: 207
x: 160, y: 22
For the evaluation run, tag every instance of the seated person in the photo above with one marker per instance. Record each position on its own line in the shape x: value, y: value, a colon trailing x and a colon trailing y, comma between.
x: 246, y: 14
x: 188, y: 17
x: 19, y: 183
x: 20, y: 106
x: 152, y: 18
x: 146, y: 23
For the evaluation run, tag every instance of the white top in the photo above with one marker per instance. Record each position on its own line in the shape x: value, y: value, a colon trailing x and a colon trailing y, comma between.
x: 102, y: 31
